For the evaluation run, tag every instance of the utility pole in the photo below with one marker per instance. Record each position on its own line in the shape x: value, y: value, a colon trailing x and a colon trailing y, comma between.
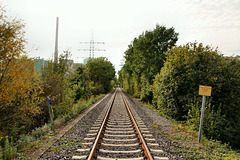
x: 50, y: 112
x: 56, y: 43
x: 92, y: 48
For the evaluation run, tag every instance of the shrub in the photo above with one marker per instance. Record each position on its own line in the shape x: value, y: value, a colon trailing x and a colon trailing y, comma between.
x: 59, y: 122
x: 25, y: 139
x: 1, y: 153
x: 177, y: 85
x: 38, y: 133
x: 10, y: 151
x: 215, y: 125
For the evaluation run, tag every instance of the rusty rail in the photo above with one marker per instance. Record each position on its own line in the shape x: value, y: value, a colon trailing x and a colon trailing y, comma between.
x: 95, y: 145
x: 143, y: 143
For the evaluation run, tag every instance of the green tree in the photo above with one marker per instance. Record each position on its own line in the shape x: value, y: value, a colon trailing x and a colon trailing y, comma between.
x: 176, y: 87
x: 100, y: 72
x: 55, y: 83
x: 80, y: 83
x: 145, y: 57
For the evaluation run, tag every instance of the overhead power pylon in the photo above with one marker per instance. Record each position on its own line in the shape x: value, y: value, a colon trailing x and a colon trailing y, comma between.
x: 92, y: 48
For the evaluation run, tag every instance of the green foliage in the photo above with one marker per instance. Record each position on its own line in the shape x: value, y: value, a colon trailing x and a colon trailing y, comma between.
x: 25, y: 139
x: 194, y: 113
x: 186, y: 142
x: 1, y: 153
x: 79, y: 83
x: 146, y: 92
x: 55, y: 84
x: 215, y: 124
x: 10, y: 151
x: 143, y: 60
x: 39, y: 132
x: 177, y: 85
x: 56, y: 77
x: 65, y: 106
x: 100, y: 72
x: 30, y: 141
x: 124, y: 79
x: 114, y: 83
x: 184, y: 137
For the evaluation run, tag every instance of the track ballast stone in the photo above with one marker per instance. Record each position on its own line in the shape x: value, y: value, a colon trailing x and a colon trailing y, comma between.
x: 67, y: 145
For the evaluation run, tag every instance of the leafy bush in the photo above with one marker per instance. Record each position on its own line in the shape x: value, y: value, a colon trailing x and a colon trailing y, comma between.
x: 1, y: 153
x: 79, y: 83
x: 19, y: 82
x: 68, y: 117
x: 38, y: 133
x: 25, y: 139
x: 10, y: 151
x: 146, y: 92
x: 215, y: 124
x: 177, y: 85
x: 59, y: 122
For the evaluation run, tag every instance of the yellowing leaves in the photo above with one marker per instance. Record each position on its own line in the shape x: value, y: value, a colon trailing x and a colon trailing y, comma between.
x: 19, y: 83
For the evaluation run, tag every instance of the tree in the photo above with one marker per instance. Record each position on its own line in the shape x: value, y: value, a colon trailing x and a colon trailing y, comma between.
x: 19, y: 80
x: 175, y: 88
x: 80, y: 84
x: 100, y: 72
x: 56, y: 84
x: 145, y: 57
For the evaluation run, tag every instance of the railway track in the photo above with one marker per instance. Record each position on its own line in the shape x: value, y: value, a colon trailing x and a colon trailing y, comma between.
x: 119, y: 133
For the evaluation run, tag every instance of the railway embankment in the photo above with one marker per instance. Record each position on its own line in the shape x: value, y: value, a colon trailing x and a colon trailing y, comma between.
x: 177, y: 140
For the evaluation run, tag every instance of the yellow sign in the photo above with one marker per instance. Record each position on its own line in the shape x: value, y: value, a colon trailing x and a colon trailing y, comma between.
x: 205, y: 90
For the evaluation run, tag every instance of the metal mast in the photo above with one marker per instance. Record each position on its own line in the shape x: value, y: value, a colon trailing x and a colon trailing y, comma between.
x: 56, y: 43
x: 92, y: 48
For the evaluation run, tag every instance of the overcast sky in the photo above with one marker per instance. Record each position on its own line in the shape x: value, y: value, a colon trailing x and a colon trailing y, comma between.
x: 118, y: 22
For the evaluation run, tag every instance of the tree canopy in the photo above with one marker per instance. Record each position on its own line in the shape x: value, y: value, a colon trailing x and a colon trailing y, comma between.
x: 19, y: 80
x: 144, y: 58
x: 100, y: 72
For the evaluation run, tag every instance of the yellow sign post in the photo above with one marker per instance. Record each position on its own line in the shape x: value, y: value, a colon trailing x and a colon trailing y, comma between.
x: 204, y: 91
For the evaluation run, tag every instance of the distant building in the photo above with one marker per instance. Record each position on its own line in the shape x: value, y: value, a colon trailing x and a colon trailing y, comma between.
x: 39, y: 64
x: 86, y: 60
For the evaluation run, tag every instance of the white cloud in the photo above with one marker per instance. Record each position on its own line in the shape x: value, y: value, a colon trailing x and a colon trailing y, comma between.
x: 213, y: 22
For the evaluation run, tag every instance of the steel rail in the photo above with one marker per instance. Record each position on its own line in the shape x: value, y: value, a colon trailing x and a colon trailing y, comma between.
x: 95, y: 145
x: 143, y: 143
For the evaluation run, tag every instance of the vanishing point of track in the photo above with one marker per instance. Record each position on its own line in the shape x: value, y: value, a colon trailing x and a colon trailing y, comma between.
x: 119, y: 133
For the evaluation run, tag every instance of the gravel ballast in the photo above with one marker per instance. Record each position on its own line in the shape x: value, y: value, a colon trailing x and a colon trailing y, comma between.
x: 66, y: 146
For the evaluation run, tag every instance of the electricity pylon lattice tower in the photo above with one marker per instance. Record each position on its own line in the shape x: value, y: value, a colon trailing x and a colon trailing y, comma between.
x: 92, y: 48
